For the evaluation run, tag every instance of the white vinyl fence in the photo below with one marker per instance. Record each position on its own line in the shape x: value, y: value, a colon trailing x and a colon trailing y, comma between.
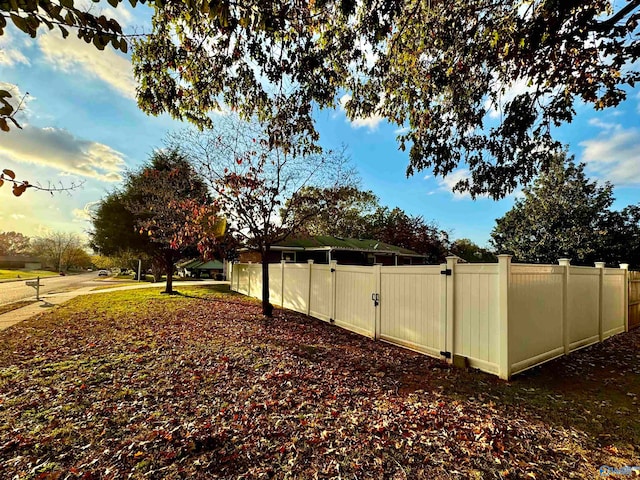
x: 501, y: 317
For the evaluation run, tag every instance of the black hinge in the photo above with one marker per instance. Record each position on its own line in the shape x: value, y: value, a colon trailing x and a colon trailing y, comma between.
x: 446, y: 354
x: 333, y: 270
x: 331, y: 320
x: 446, y: 272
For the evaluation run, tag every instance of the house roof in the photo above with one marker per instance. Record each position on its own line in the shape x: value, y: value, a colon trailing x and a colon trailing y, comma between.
x: 190, y: 263
x: 210, y: 265
x: 325, y: 242
x: 200, y: 265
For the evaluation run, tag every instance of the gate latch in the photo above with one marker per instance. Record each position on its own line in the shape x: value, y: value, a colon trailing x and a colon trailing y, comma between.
x: 376, y: 299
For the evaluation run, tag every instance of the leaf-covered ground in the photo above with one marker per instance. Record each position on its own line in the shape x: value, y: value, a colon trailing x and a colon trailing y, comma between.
x: 140, y: 385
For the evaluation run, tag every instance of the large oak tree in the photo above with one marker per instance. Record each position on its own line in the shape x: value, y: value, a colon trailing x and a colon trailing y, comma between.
x: 438, y: 68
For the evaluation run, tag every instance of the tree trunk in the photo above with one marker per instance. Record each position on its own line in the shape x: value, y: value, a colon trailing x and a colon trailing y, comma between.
x: 157, y: 267
x: 169, y: 272
x: 267, y: 308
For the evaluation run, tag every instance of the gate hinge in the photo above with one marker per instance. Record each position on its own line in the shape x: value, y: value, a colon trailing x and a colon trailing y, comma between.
x: 446, y: 272
x: 331, y: 320
x: 333, y: 270
x: 446, y: 354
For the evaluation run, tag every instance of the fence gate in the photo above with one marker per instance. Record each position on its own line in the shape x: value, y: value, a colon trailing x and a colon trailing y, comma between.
x: 634, y: 300
x: 413, y: 307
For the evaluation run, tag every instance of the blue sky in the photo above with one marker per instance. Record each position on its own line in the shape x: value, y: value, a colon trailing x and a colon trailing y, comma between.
x: 82, y: 124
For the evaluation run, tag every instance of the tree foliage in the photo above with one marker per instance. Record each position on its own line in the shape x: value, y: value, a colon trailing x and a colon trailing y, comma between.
x: 14, y: 243
x: 438, y: 68
x: 564, y: 214
x: 163, y: 210
x: 471, y: 252
x: 344, y: 213
x: 60, y: 250
x: 257, y: 184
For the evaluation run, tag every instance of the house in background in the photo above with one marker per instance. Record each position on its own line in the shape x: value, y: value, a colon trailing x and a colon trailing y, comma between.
x: 21, y: 262
x: 198, y: 268
x: 346, y: 251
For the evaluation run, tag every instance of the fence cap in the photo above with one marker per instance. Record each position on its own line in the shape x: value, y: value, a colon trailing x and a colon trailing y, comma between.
x: 599, y: 264
x: 564, y: 261
x: 624, y: 266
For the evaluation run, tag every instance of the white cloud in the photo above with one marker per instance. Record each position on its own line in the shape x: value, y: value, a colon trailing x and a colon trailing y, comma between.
x: 10, y: 53
x: 84, y: 214
x: 371, y: 122
x: 614, y: 154
x: 401, y: 131
x: 426, y: 177
x: 17, y: 216
x: 447, y: 183
x: 59, y: 149
x: 596, y: 122
x: 74, y: 56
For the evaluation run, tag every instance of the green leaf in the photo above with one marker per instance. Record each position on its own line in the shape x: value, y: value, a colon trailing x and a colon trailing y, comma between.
x: 21, y: 23
x: 113, y: 3
x: 98, y: 42
x: 66, y: 3
x: 64, y: 31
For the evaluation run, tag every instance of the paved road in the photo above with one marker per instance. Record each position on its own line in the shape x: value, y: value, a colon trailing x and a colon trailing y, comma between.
x: 16, y: 291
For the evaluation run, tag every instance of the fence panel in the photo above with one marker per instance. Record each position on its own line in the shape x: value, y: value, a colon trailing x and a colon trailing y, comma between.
x: 411, y: 306
x: 242, y: 272
x: 354, y: 308
x: 535, y: 314
x: 275, y: 284
x: 634, y: 300
x: 295, y: 290
x: 321, y: 296
x: 583, y: 306
x: 613, y: 301
x: 255, y: 280
x: 477, y: 315
x: 532, y: 312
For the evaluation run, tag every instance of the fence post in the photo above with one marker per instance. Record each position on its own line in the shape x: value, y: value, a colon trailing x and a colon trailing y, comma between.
x: 504, y: 279
x: 377, y: 272
x: 310, y: 264
x: 249, y: 279
x: 600, y: 265
x: 333, y: 266
x: 625, y: 267
x: 565, y: 262
x: 282, y: 262
x: 451, y: 314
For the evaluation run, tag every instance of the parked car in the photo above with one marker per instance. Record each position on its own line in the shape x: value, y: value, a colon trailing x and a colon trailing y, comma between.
x: 103, y: 273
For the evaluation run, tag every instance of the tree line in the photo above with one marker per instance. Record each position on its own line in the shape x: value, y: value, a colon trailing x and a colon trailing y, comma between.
x: 59, y: 251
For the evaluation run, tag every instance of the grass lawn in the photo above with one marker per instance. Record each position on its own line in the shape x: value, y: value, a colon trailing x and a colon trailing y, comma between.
x: 24, y: 274
x: 136, y: 384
